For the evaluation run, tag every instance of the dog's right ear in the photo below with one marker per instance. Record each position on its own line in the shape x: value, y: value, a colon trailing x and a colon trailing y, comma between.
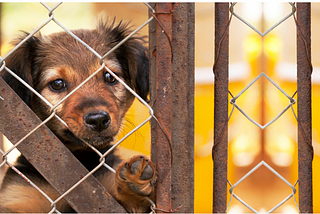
x: 21, y: 62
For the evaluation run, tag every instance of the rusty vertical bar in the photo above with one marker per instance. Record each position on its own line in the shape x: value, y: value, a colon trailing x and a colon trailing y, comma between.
x: 161, y: 78
x: 2, y: 169
x: 152, y: 76
x: 304, y: 71
x: 220, y: 153
x: 183, y: 21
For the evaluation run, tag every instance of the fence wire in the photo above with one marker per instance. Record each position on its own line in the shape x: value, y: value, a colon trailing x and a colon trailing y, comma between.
x: 262, y: 163
x: 291, y: 101
x: 255, y: 29
x: 233, y: 102
x: 54, y: 107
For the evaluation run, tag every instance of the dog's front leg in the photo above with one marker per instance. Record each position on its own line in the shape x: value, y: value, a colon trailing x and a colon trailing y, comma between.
x: 135, y: 181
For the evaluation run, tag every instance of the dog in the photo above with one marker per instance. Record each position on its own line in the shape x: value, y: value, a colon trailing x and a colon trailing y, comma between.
x: 54, y: 65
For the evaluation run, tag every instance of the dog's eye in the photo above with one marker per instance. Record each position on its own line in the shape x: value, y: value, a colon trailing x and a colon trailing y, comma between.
x: 108, y: 78
x: 57, y: 85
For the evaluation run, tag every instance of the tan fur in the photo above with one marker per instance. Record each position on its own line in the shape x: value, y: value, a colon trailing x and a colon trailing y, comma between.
x: 26, y: 199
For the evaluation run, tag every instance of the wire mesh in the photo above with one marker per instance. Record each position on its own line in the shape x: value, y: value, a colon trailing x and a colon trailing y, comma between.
x: 255, y: 29
x: 291, y: 101
x: 262, y: 163
x: 234, y: 98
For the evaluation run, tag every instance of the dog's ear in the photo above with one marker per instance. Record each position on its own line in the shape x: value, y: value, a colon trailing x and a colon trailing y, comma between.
x: 21, y: 63
x: 132, y: 55
x: 138, y: 65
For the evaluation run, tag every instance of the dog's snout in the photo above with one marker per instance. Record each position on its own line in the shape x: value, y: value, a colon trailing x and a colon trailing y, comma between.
x: 97, y: 121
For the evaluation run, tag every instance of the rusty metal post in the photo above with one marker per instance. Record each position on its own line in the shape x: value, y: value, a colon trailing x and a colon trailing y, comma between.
x: 220, y: 153
x: 183, y: 106
x: 50, y: 157
x: 161, y: 100
x: 304, y: 71
x: 172, y: 96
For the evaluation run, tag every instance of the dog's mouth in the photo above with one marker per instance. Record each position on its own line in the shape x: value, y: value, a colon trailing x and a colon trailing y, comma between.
x: 98, y: 142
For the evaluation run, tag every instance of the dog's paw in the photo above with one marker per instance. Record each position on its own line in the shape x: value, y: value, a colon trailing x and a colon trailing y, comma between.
x: 138, y: 174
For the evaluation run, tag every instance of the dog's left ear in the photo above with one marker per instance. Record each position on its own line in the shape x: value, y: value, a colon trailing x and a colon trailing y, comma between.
x: 132, y: 55
x: 138, y: 65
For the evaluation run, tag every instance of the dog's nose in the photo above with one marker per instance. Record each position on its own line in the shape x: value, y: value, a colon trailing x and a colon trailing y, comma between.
x: 97, y: 121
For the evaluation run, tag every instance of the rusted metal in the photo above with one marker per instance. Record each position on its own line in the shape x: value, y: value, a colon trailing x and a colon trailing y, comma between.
x: 161, y: 93
x: 172, y: 95
x: 304, y: 70
x: 183, y: 107
x: 2, y: 169
x: 220, y: 153
x: 50, y: 157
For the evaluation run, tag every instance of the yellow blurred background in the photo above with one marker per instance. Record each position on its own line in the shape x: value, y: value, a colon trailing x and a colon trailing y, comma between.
x: 250, y: 54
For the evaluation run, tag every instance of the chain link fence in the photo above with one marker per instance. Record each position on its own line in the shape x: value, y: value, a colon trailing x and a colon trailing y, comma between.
x: 304, y: 108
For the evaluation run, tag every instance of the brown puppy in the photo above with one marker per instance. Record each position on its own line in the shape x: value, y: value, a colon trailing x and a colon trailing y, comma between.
x: 54, y: 65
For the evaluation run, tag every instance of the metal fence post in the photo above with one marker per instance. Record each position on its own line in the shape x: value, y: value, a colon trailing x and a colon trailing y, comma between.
x: 172, y: 96
x: 183, y: 106
x: 220, y: 153
x: 161, y: 78
x: 304, y: 71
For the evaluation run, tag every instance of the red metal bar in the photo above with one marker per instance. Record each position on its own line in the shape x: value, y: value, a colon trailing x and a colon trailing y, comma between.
x: 220, y: 153
x: 183, y: 107
x: 172, y: 96
x: 161, y: 99
x: 304, y: 70
x: 50, y: 157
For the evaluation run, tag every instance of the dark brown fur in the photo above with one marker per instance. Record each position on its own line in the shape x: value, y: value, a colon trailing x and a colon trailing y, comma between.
x: 94, y: 113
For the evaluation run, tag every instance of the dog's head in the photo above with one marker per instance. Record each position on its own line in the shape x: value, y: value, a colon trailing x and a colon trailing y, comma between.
x: 54, y: 65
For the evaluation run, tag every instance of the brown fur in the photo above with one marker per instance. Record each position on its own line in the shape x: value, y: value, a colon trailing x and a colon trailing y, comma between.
x: 55, y: 65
